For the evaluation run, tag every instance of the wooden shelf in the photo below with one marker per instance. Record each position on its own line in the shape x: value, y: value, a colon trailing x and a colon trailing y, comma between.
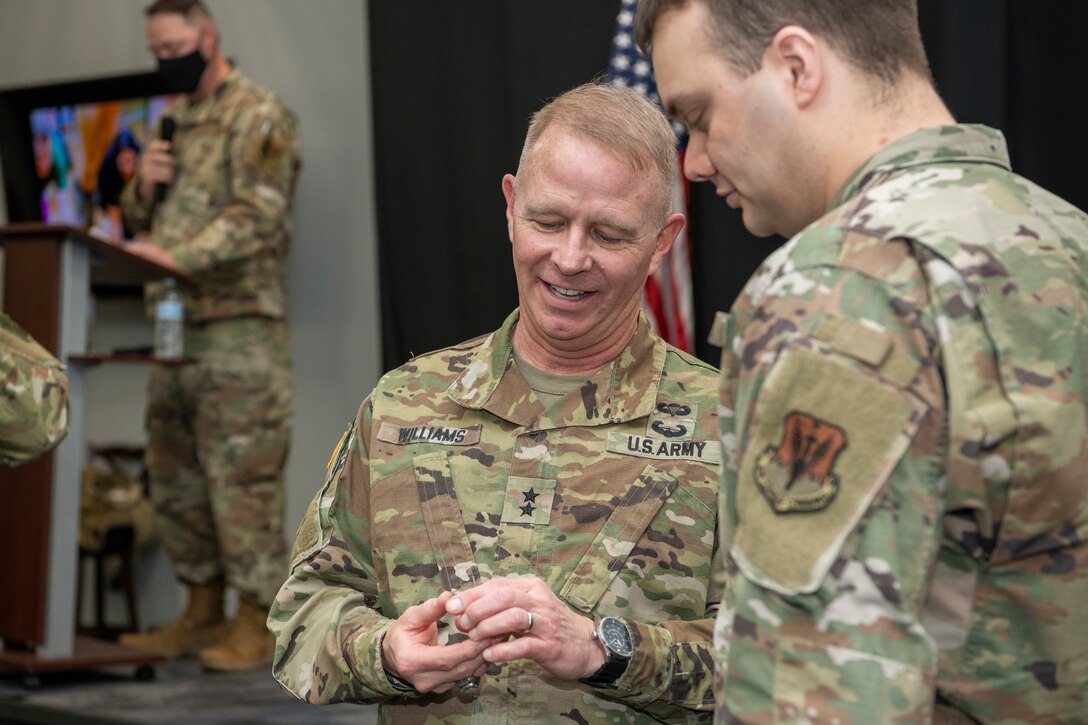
x: 96, y: 359
x: 88, y: 654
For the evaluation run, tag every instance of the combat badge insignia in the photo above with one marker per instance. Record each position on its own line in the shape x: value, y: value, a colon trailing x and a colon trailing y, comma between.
x: 797, y: 475
x: 673, y: 421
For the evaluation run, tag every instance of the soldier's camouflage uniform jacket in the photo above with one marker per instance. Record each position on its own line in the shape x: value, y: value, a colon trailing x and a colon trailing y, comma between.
x: 227, y: 217
x: 218, y: 428
x: 33, y: 396
x: 453, y: 473
x: 905, y: 467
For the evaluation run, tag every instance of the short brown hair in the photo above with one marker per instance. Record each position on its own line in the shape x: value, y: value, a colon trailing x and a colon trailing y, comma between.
x: 879, y: 37
x: 619, y: 120
x: 190, y: 9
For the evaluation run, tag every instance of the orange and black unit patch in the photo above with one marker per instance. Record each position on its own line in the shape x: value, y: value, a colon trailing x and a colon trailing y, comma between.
x: 797, y: 475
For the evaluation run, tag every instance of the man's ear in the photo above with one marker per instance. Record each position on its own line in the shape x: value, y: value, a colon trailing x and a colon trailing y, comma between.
x: 209, y: 35
x: 509, y: 185
x: 798, y: 53
x: 664, y: 240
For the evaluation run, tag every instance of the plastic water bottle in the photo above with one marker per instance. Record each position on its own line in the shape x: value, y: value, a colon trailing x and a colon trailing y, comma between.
x: 169, y: 323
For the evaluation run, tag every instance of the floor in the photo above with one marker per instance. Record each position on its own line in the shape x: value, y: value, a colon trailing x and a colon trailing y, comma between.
x: 180, y: 694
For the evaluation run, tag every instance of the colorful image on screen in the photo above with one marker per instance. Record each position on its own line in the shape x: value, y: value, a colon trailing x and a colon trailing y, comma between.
x: 85, y: 154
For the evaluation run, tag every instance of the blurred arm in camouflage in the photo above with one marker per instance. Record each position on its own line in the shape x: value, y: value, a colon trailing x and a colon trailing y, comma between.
x: 33, y: 396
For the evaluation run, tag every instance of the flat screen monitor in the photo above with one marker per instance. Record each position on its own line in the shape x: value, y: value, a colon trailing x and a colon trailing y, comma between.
x: 83, y: 157
x: 68, y: 149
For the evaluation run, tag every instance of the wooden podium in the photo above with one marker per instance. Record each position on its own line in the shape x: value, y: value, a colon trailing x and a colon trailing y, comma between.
x: 48, y: 276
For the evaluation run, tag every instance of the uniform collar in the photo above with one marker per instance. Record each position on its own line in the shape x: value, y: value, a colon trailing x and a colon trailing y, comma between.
x: 623, y: 390
x: 230, y: 80
x: 962, y: 143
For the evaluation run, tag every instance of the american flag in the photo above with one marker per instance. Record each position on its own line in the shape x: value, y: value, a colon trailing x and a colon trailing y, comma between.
x: 667, y: 297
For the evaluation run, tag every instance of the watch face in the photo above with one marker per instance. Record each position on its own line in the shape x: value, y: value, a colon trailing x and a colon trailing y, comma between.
x: 615, y: 636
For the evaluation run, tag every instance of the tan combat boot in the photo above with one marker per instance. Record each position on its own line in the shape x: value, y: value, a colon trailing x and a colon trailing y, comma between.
x: 201, y: 624
x: 248, y: 644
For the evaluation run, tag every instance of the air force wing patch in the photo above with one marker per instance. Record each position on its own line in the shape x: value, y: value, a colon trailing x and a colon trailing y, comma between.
x: 798, y: 474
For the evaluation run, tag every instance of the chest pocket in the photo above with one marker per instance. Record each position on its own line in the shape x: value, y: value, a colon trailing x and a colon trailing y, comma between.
x: 203, y: 153
x: 594, y: 573
x: 444, y: 522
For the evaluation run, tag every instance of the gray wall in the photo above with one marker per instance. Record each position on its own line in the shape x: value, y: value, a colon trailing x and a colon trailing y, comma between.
x: 314, y: 54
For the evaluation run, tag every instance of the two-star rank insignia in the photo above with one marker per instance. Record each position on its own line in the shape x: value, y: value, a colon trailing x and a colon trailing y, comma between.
x: 530, y: 498
x: 528, y: 501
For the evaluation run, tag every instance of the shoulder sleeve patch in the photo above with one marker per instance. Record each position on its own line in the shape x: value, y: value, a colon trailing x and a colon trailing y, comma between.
x: 308, y: 536
x: 270, y: 144
x: 823, y: 440
x: 338, y: 452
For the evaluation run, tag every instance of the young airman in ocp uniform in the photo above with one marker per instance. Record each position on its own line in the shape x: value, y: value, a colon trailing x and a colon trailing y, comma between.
x: 904, y: 391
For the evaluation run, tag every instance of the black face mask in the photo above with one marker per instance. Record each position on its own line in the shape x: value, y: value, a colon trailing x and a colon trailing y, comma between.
x: 182, y: 75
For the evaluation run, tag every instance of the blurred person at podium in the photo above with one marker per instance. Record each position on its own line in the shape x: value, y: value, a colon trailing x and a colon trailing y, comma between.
x: 33, y: 396
x: 214, y: 200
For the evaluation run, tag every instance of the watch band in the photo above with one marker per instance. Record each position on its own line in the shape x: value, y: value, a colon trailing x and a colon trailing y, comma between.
x: 609, y: 673
x: 615, y: 663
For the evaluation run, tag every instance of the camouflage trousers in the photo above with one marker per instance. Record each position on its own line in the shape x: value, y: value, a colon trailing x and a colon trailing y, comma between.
x: 218, y: 433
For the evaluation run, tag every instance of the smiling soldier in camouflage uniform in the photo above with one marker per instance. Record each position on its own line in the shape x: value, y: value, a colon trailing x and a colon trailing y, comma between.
x: 218, y: 427
x: 33, y: 396
x: 903, y: 394
x: 554, y: 473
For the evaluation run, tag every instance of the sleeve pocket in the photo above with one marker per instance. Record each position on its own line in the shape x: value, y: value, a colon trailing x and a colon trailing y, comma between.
x: 826, y: 432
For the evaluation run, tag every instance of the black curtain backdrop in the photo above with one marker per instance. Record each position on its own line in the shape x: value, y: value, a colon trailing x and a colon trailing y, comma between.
x: 454, y: 83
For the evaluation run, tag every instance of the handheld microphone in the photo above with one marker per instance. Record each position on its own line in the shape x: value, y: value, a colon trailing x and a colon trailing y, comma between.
x: 166, y: 133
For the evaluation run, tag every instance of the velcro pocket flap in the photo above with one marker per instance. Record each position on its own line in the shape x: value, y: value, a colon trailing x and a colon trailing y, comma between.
x: 445, y: 524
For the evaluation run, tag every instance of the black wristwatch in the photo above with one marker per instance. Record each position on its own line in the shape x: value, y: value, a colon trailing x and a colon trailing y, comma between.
x: 613, y: 635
